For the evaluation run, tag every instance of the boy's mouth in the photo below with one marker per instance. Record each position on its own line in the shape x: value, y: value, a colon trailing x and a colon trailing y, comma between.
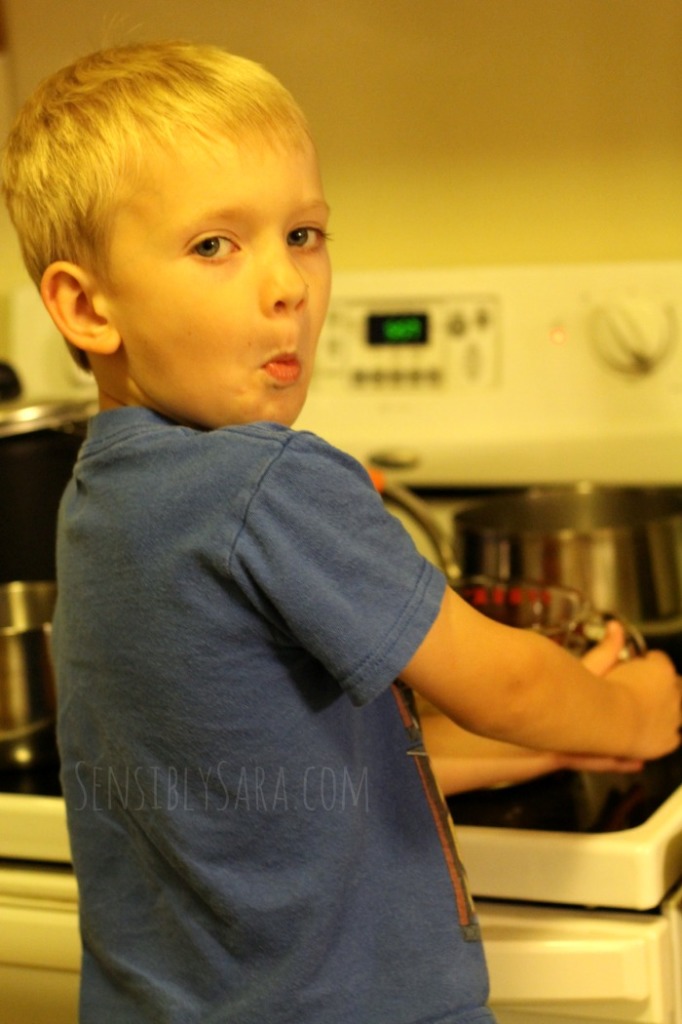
x: 286, y: 369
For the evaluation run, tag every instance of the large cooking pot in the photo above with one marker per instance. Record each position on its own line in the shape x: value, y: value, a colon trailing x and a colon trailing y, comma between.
x: 38, y: 447
x: 27, y: 690
x: 621, y: 547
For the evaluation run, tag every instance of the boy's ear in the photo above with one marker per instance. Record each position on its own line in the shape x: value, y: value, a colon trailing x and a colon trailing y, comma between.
x: 79, y: 311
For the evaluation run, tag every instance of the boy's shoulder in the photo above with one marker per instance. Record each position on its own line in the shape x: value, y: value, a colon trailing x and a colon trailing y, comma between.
x: 137, y: 431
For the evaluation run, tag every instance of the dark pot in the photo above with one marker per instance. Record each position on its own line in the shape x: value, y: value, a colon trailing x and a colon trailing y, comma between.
x: 38, y: 448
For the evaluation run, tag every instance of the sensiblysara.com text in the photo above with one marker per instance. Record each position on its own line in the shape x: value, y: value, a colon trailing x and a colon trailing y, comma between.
x: 222, y: 788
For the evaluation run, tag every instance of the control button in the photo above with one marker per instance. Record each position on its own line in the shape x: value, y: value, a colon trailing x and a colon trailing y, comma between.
x: 457, y: 325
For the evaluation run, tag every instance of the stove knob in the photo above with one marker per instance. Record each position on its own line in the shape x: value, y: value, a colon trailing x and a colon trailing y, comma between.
x: 633, y: 336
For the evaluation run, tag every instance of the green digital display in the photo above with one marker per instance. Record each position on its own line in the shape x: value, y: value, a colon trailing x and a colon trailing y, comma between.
x: 397, y: 329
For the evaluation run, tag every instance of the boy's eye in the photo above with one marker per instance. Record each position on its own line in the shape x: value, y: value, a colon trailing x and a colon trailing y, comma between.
x: 213, y: 246
x: 306, y: 238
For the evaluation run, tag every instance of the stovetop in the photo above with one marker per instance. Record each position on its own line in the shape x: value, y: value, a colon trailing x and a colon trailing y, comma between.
x: 579, y: 802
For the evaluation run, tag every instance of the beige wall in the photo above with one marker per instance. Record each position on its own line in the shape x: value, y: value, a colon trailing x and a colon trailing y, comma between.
x: 451, y: 131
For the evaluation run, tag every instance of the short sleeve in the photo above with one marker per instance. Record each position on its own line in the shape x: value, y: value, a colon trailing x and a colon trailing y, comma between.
x: 322, y: 558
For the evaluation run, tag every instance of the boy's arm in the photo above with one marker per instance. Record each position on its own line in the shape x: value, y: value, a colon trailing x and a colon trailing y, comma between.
x: 517, y: 686
x: 463, y: 761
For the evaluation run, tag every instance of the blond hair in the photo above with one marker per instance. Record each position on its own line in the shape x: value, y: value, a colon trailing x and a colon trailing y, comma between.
x: 86, y: 126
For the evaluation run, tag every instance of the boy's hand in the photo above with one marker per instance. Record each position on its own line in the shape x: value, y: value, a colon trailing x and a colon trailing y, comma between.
x: 652, y: 680
x: 600, y: 660
x: 656, y: 692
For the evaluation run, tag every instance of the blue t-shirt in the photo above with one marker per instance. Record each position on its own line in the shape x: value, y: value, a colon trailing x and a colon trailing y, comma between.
x: 255, y: 831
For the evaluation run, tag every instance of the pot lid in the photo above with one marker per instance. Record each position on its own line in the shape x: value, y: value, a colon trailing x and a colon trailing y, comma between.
x: 19, y: 418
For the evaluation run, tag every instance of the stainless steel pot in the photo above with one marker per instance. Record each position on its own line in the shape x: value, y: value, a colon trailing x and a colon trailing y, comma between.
x: 27, y: 690
x: 621, y: 547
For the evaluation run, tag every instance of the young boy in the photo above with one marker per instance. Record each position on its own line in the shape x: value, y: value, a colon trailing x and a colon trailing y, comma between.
x: 255, y: 829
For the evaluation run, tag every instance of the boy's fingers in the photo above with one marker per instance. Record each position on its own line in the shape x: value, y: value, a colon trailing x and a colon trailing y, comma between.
x: 602, y: 658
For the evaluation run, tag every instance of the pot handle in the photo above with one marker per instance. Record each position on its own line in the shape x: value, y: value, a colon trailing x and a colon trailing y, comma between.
x: 404, y: 498
x: 635, y: 645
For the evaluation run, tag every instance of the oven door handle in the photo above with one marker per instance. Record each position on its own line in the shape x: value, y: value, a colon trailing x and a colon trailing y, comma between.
x: 557, y: 968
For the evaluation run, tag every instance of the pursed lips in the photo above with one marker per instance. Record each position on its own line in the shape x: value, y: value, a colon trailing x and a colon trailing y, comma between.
x: 284, y: 368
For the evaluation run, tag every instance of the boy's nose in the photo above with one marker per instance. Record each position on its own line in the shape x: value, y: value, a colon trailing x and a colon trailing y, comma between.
x: 282, y: 287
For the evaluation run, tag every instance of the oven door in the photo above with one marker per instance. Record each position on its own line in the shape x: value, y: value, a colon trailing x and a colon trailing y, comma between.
x: 559, y: 966
x: 39, y: 944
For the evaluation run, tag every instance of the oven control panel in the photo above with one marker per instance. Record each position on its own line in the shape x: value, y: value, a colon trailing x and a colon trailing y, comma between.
x: 495, y: 376
x: 416, y: 344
